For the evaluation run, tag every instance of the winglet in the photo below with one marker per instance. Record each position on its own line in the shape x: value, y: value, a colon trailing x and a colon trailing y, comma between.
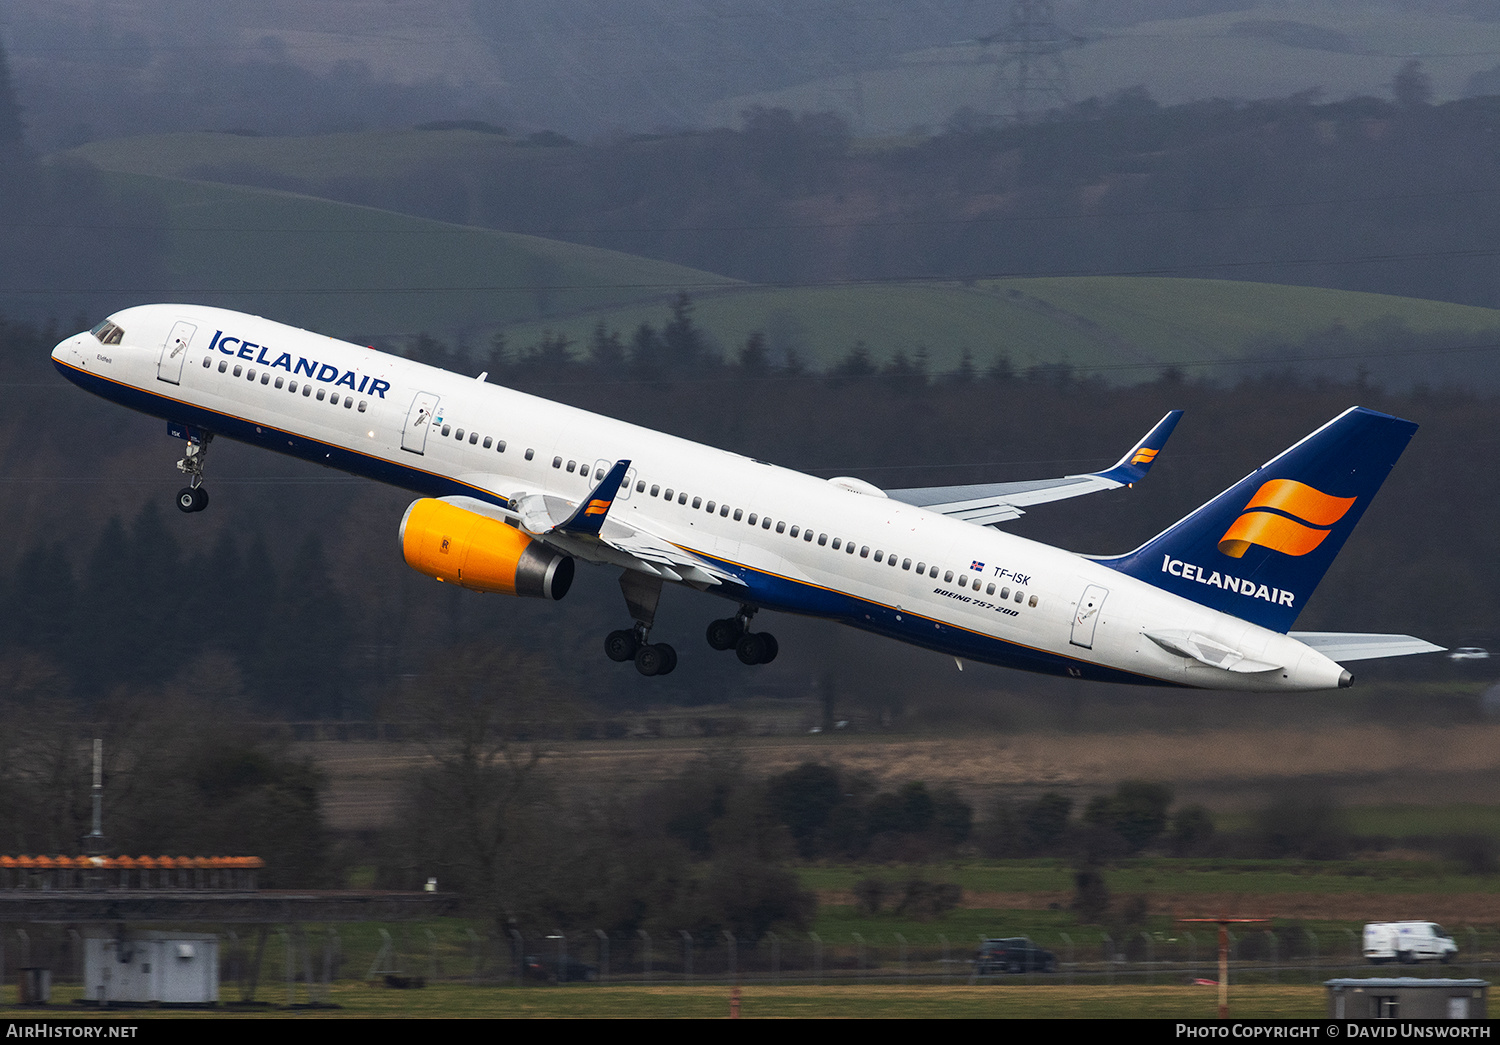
x: 1132, y: 468
x: 588, y: 517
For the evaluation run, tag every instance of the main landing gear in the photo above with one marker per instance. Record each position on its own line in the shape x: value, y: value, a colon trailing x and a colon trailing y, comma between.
x: 193, y: 497
x: 641, y: 596
x: 642, y: 593
x: 758, y: 647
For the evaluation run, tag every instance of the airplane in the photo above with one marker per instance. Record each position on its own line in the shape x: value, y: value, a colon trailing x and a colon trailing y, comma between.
x: 513, y: 490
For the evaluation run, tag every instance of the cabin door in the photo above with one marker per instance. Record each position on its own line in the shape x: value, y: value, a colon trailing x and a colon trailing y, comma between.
x: 174, y: 352
x: 418, y: 421
x: 1086, y: 617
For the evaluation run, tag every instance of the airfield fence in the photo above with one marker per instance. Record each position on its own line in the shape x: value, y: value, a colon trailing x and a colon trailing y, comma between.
x: 299, y: 960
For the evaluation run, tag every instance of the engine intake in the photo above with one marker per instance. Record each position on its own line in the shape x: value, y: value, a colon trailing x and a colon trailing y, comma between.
x: 457, y: 546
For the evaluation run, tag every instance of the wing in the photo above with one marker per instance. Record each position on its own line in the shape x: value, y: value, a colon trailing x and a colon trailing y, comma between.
x: 988, y: 504
x: 1341, y: 646
x: 584, y: 528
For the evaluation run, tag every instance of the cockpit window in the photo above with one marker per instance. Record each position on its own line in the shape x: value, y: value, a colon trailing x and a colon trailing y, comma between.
x: 108, y: 333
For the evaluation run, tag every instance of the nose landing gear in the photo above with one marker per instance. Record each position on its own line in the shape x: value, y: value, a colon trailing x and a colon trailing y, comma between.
x: 193, y: 497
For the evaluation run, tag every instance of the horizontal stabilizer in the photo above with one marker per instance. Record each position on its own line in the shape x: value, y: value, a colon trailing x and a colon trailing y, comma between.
x: 987, y: 504
x: 1344, y: 646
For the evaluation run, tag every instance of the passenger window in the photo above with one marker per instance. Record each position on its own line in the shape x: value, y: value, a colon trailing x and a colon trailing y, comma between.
x: 238, y: 370
x: 922, y: 569
x: 765, y: 524
x: 794, y: 531
x: 474, y: 438
x: 836, y: 542
x: 807, y: 535
x: 989, y: 589
x: 459, y: 435
x: 709, y: 509
x: 571, y: 466
x: 668, y: 495
x: 447, y: 429
x: 682, y: 498
x: 864, y: 552
x: 822, y: 539
x: 334, y: 399
x: 1004, y: 593
x: 207, y: 362
x: 556, y: 461
x: 640, y: 486
x: 752, y: 518
x: 223, y: 366
x: 1020, y: 595
x: 291, y: 386
x: 250, y: 374
x: 781, y: 527
x: 265, y: 379
x: 963, y: 580
x: 655, y: 490
x: 280, y: 381
x: 348, y: 402
x: 598, y: 473
x: 487, y: 441
x: 530, y: 453
x: 948, y: 577
x: 698, y: 503
x: 724, y: 511
x: 879, y: 555
x: 362, y: 404
x: 500, y: 448
x: 905, y: 564
x: 1031, y: 602
x: 739, y: 513
x: 307, y: 390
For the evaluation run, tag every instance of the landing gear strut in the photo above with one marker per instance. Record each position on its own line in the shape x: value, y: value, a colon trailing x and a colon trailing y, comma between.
x: 193, y: 497
x: 734, y: 633
x: 641, y: 596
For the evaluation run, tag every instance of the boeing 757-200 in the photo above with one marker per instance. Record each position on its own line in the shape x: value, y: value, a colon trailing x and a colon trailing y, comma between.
x: 513, y: 490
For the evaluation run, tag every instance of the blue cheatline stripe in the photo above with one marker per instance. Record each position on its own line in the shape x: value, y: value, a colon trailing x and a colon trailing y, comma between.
x: 768, y: 590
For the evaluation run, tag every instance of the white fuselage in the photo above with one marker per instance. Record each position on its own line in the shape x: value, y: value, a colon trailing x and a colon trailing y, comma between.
x: 1021, y: 604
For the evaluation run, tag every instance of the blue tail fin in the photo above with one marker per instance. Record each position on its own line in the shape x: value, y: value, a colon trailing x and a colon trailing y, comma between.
x: 1259, y: 549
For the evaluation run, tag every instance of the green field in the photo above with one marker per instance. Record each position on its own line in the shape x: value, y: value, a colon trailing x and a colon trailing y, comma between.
x: 1270, y: 51
x: 360, y: 272
x: 756, y: 1001
x: 1121, y: 328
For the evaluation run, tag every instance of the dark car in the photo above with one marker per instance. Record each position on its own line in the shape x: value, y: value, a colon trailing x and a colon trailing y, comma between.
x: 568, y: 970
x: 1013, y: 954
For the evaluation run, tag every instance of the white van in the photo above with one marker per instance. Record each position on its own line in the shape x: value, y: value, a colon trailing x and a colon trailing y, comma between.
x: 1408, y: 942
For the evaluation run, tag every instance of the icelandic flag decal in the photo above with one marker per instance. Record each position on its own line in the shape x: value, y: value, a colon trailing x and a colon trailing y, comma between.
x: 976, y: 565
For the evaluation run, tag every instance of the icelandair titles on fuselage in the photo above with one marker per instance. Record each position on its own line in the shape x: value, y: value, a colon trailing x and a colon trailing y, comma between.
x: 1189, y: 572
x: 324, y: 372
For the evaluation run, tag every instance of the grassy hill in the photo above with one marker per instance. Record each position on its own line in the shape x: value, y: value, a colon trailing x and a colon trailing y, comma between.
x: 1270, y: 51
x: 357, y: 271
x: 363, y: 272
x: 1120, y: 327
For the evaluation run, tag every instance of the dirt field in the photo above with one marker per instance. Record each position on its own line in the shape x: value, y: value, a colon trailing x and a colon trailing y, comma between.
x: 1226, y: 769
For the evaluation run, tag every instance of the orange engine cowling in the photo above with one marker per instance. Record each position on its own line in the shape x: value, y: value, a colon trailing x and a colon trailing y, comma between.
x: 461, y: 547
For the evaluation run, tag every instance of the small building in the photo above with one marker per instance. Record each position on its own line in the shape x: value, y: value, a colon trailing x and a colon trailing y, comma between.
x: 143, y: 966
x: 1407, y: 998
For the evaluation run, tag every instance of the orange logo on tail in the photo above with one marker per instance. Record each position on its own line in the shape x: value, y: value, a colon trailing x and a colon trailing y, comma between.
x: 1312, y: 512
x: 597, y: 507
x: 1145, y: 455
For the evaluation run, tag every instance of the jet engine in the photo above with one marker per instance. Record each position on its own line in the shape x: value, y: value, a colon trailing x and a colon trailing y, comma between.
x: 458, y: 546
